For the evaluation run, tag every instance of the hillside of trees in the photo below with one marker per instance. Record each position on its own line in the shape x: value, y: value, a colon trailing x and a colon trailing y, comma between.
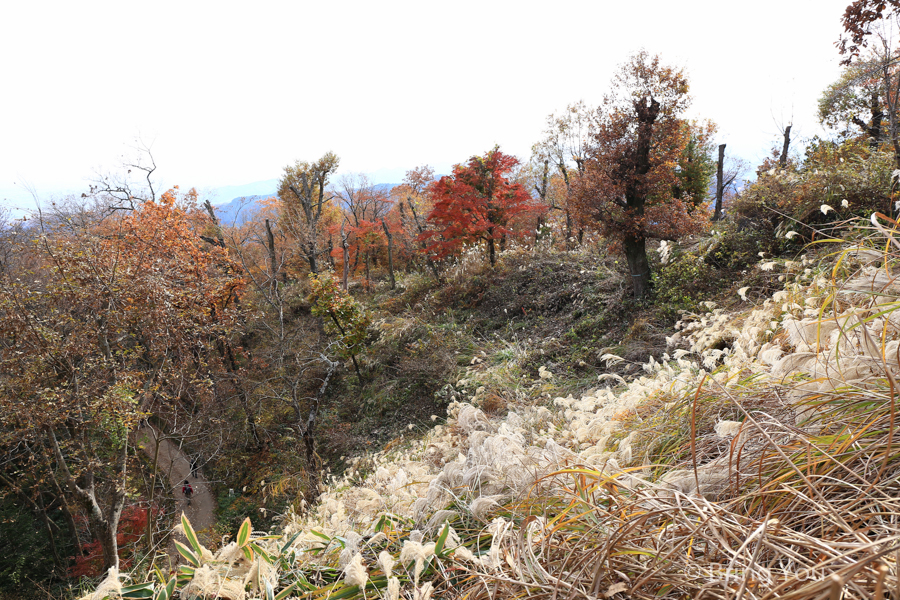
x: 625, y: 366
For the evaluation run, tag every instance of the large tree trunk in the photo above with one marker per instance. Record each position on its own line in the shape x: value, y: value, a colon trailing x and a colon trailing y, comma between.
x: 220, y: 240
x: 311, y: 257
x: 542, y: 194
x: 638, y: 265
x: 491, y: 249
x: 891, y: 100
x: 720, y: 184
x: 105, y: 533
x: 872, y: 129
x: 273, y: 263
x: 635, y: 242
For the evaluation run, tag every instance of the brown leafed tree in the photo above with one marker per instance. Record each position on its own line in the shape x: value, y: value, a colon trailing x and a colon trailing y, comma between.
x: 861, y: 20
x: 115, y: 322
x: 630, y: 172
x: 874, y: 25
x: 303, y: 198
x: 413, y: 201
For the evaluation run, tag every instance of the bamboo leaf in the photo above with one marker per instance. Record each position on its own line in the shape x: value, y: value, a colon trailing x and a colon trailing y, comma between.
x: 187, y: 553
x: 258, y: 579
x: 289, y: 542
x: 170, y: 588
x: 138, y: 591
x: 244, y: 533
x: 270, y: 594
x: 159, y: 575
x: 185, y: 573
x: 344, y: 592
x: 303, y: 582
x: 191, y: 535
x: 166, y: 592
x: 284, y: 593
x: 256, y: 548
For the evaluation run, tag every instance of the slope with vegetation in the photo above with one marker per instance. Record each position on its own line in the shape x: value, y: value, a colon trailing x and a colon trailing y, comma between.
x: 535, y: 379
x: 755, y: 457
x: 598, y: 449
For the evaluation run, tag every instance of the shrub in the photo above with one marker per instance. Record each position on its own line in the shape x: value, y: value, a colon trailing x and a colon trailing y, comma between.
x: 682, y: 283
x: 25, y: 551
x: 343, y: 317
x: 737, y: 246
x: 851, y: 178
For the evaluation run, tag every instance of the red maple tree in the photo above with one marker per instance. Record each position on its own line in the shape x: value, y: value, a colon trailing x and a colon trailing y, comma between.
x: 476, y: 203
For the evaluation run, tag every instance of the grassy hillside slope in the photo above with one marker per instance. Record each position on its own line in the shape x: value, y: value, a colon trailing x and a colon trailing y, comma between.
x: 751, y: 454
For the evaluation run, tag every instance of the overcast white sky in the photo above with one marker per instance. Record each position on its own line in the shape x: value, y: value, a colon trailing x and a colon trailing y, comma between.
x: 229, y: 93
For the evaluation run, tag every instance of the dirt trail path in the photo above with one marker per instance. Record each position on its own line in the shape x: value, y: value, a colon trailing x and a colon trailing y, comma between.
x: 175, y: 465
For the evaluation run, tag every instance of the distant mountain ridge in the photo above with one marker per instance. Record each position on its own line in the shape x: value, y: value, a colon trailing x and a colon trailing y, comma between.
x: 243, y: 207
x: 240, y: 210
x: 226, y: 194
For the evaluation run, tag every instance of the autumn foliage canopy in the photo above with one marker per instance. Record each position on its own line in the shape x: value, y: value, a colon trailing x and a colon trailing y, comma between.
x: 115, y: 321
x: 632, y: 163
x: 477, y: 203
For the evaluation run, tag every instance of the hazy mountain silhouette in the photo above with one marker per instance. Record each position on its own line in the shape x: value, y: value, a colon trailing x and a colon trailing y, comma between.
x: 238, y: 209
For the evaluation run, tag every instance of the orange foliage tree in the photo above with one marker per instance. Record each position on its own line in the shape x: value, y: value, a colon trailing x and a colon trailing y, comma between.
x: 412, y: 202
x: 361, y: 230
x: 631, y: 159
x: 120, y: 318
x: 477, y: 203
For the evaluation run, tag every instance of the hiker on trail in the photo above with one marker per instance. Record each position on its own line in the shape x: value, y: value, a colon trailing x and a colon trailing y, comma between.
x: 187, y: 490
x: 194, y: 463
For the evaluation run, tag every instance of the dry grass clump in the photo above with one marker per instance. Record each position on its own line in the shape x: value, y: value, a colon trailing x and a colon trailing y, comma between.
x: 801, y: 516
x: 802, y: 502
x: 804, y: 521
x: 799, y: 497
